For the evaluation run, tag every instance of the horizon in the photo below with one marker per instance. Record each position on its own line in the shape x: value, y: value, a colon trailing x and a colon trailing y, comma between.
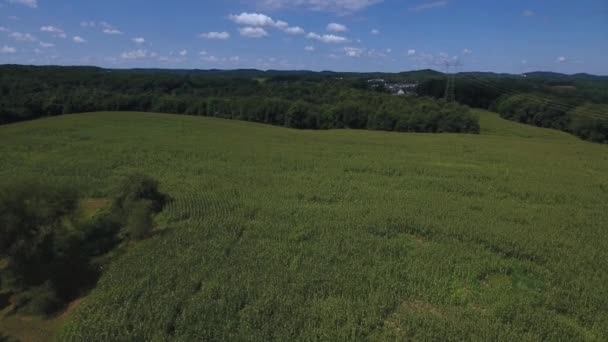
x: 365, y: 36
x: 298, y: 70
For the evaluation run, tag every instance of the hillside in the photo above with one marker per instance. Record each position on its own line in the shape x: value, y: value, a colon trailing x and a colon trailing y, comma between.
x: 282, y: 234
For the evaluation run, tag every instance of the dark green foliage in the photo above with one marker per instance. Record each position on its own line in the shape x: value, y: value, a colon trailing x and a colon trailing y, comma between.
x: 32, y: 218
x: 50, y: 252
x: 590, y: 122
x: 307, y: 101
x: 138, y: 199
x: 137, y: 187
x: 41, y: 300
x: 139, y: 220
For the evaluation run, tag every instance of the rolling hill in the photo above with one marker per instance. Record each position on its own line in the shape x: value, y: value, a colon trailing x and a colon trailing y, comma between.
x: 281, y: 234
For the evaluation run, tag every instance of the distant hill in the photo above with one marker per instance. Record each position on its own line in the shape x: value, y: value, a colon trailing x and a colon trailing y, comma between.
x: 254, y: 73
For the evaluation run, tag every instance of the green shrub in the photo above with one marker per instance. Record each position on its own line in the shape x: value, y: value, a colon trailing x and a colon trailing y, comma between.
x: 137, y: 187
x: 139, y: 220
x: 41, y: 300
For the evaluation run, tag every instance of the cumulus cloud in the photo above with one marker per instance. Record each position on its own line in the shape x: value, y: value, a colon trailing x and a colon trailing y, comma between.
x: 28, y: 3
x: 54, y: 31
x: 353, y: 51
x: 135, y: 54
x: 294, y: 30
x: 253, y: 32
x: 561, y: 59
x: 138, y: 40
x: 411, y: 52
x: 4, y: 29
x: 183, y: 53
x: 327, y: 38
x: 79, y: 40
x: 215, y: 35
x: 22, y: 37
x: 335, y: 27
x: 255, y: 19
x: 375, y: 31
x: 309, y: 48
x: 88, y: 24
x: 340, y: 6
x: 467, y: 52
x: 429, y: 6
x: 8, y: 50
x: 46, y: 45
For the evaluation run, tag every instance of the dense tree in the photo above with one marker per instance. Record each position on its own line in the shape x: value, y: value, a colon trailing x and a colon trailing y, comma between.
x: 306, y: 101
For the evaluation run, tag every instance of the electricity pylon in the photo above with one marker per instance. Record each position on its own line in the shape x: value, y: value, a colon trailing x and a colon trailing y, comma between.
x: 450, y: 86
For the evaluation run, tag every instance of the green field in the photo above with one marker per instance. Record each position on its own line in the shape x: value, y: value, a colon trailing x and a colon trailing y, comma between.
x: 280, y: 234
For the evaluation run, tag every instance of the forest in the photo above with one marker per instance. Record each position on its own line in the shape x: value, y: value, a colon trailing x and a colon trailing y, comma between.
x: 312, y: 100
x: 305, y: 101
x: 575, y: 104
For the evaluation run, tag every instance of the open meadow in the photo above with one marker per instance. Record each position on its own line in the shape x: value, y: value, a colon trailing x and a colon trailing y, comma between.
x: 282, y: 234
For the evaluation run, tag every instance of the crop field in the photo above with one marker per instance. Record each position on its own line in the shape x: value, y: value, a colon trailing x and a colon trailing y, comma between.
x: 281, y: 234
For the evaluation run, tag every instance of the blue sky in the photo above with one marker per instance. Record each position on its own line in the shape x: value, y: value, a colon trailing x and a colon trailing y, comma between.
x: 344, y: 35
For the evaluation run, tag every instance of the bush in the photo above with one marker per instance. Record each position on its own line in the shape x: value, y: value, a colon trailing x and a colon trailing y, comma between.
x: 41, y: 300
x: 139, y: 220
x: 590, y: 122
x: 138, y: 187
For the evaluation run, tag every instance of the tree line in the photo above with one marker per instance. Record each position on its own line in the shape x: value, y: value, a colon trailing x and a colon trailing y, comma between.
x: 296, y: 101
x: 579, y: 107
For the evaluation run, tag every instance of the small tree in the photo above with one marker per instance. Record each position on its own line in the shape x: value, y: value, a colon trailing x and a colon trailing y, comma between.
x: 139, y: 220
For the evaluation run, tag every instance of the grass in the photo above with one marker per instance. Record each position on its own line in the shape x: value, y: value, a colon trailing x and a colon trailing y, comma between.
x: 279, y: 234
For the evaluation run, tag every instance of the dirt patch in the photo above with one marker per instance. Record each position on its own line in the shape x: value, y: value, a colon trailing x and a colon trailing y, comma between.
x: 33, y: 328
x: 91, y: 206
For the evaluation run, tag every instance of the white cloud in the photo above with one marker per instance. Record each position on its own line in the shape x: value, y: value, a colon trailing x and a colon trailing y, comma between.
x: 375, y: 31
x: 428, y: 6
x: 46, y: 45
x: 309, y: 48
x: 253, y: 32
x: 215, y: 35
x: 255, y: 19
x: 411, y: 52
x: 528, y: 13
x: 111, y: 31
x: 327, y: 38
x: 88, y: 24
x: 4, y: 29
x: 234, y: 59
x: 353, y: 51
x: 138, y: 40
x: 22, y: 37
x: 7, y: 50
x: 183, y: 53
x: 467, y: 52
x: 340, y: 6
x: 203, y: 53
x: 135, y: 54
x: 561, y: 59
x: 335, y: 27
x: 55, y: 31
x: 79, y: 40
x: 295, y: 30
x: 28, y: 3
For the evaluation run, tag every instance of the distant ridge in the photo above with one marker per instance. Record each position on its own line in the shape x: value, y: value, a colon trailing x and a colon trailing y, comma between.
x: 414, y: 74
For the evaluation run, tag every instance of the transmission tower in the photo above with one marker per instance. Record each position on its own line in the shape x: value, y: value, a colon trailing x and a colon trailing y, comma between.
x: 450, y: 86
